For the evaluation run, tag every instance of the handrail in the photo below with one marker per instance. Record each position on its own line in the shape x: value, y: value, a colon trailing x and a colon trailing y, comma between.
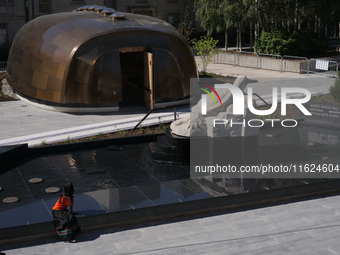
x: 140, y: 122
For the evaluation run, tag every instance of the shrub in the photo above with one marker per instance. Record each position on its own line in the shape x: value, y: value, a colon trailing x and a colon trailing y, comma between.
x: 271, y: 43
x: 335, y: 89
x: 205, y: 47
x: 301, y: 43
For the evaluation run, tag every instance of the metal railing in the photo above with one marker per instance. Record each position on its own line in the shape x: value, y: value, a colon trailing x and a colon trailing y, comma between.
x: 323, y: 67
x: 3, y: 66
x: 284, y: 63
x: 269, y: 62
x: 292, y: 63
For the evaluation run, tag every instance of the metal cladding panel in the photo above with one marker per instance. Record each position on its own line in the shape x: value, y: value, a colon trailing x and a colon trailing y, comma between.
x: 72, y: 58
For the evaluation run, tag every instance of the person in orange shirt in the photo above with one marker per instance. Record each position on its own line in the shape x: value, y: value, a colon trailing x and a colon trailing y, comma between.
x: 65, y: 221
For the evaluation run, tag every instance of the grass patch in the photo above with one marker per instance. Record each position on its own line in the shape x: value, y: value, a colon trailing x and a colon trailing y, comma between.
x: 292, y: 111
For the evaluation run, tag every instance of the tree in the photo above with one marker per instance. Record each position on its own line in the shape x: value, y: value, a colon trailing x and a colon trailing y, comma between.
x: 289, y: 16
x: 221, y: 15
x: 210, y: 17
x: 185, y: 26
x: 155, y: 11
x: 206, y: 49
x: 235, y: 14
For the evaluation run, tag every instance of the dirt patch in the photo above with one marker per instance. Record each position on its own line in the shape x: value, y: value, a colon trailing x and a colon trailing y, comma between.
x: 326, y: 99
x: 293, y: 112
x: 156, y: 129
x: 2, y: 96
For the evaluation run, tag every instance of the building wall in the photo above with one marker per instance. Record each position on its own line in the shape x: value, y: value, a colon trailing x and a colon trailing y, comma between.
x: 13, y: 12
x: 12, y: 17
x: 171, y: 11
x: 69, y: 5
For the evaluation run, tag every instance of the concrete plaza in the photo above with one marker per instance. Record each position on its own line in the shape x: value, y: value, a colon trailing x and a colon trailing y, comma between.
x: 22, y: 123
x: 304, y: 227
x: 301, y: 227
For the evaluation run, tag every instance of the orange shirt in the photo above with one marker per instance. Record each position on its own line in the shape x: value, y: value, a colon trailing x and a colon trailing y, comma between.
x: 62, y: 203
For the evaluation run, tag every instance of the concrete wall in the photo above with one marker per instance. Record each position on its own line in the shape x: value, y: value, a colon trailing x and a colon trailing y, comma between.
x: 262, y: 61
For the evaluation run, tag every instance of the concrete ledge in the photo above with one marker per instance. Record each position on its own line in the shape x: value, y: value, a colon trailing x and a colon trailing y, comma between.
x: 50, y: 149
x: 12, y: 152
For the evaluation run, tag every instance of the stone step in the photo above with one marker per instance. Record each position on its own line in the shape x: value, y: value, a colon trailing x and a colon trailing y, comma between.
x: 164, y: 145
x: 176, y: 140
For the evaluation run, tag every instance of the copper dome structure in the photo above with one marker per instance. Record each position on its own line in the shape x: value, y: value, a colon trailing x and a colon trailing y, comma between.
x: 88, y: 59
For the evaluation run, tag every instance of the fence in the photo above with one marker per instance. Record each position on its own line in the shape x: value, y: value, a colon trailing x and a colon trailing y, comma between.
x: 3, y: 66
x: 269, y: 62
x: 293, y: 63
x: 284, y: 63
x: 323, y: 67
x: 280, y: 63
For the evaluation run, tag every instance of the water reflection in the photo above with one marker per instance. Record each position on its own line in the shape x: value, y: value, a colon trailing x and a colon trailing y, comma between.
x: 109, y: 180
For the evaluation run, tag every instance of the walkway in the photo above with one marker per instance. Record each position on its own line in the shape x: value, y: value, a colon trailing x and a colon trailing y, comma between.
x: 22, y: 123
x: 308, y: 227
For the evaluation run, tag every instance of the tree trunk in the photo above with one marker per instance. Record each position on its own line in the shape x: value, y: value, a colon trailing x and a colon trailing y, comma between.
x: 296, y: 16
x: 257, y: 30
x: 334, y: 32
x: 251, y: 35
x: 257, y: 25
x: 316, y: 24
x: 226, y: 39
x: 240, y: 38
x: 271, y: 24
x: 237, y: 39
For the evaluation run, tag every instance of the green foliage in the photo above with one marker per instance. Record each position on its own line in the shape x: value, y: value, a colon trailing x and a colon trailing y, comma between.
x: 209, y: 15
x: 43, y: 143
x: 140, y: 128
x: 185, y: 26
x: 121, y: 132
x: 68, y: 140
x: 155, y: 11
x: 288, y: 15
x: 161, y: 124
x: 271, y: 43
x: 300, y: 43
x: 307, y: 42
x: 206, y: 49
x: 335, y: 89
